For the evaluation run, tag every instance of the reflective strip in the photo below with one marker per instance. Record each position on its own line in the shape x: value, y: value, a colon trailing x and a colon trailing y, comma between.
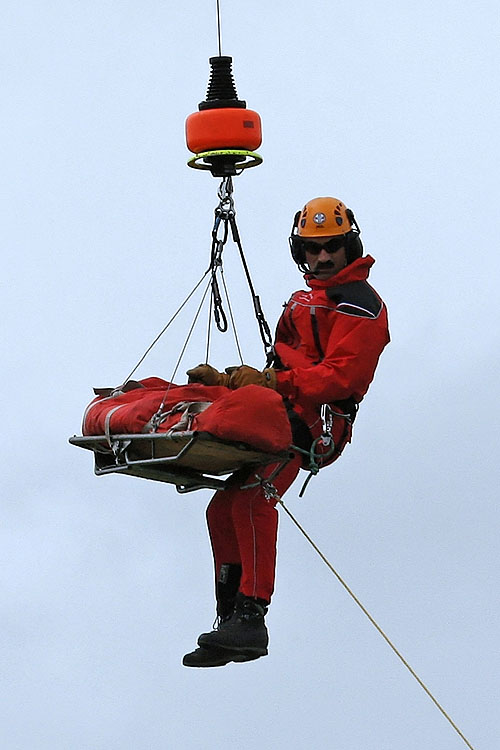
x: 304, y: 304
x: 363, y: 312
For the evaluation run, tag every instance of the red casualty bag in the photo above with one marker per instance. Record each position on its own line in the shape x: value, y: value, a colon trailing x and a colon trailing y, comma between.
x: 252, y: 415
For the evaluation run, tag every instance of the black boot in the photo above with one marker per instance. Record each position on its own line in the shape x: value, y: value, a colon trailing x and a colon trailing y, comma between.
x: 244, y: 635
x: 211, y: 657
x: 226, y: 588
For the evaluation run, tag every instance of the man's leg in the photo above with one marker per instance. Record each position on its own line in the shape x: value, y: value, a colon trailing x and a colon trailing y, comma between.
x: 227, y: 562
x: 255, y: 522
x: 227, y: 568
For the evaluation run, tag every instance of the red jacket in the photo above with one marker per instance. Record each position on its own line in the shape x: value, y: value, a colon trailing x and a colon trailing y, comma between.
x: 329, y: 340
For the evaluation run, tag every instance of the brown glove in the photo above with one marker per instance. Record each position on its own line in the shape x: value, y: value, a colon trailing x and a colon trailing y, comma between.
x: 246, y: 375
x: 207, y: 375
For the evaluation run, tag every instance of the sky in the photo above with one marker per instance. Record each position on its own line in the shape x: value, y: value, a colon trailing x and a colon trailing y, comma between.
x: 107, y: 581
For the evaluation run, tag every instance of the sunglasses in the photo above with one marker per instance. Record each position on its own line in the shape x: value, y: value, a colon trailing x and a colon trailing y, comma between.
x: 336, y: 243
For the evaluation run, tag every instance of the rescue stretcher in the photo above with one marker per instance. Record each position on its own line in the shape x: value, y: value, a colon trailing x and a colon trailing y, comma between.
x: 190, y: 460
x: 193, y: 436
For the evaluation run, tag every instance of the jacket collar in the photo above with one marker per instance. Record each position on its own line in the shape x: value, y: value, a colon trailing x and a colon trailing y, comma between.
x: 358, y: 270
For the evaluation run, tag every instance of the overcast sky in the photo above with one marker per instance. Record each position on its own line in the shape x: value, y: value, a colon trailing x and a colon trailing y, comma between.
x: 107, y: 582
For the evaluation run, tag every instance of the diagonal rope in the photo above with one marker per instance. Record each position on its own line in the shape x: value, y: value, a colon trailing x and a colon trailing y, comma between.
x: 209, y: 330
x: 156, y: 418
x: 375, y: 624
x: 190, y: 332
x: 231, y: 317
x: 155, y: 341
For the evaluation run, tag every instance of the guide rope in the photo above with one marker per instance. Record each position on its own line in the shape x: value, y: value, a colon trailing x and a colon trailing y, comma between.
x: 373, y: 622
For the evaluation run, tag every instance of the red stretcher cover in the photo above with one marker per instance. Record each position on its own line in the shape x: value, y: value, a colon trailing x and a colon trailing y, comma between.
x: 252, y: 415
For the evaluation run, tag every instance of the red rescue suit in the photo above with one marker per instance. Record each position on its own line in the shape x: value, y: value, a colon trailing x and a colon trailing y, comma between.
x: 328, y: 342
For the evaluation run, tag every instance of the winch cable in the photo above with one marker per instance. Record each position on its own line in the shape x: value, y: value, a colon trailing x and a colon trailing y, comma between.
x: 222, y: 135
x: 374, y: 623
x: 219, y: 33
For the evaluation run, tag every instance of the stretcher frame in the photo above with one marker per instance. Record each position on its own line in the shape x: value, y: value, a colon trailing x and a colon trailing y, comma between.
x: 190, y: 460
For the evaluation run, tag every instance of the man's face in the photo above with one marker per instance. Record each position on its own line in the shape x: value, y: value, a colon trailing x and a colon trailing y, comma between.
x: 324, y: 262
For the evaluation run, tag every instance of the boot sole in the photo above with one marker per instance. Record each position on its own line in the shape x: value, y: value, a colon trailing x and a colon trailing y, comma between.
x: 207, y: 640
x: 248, y: 655
x: 218, y: 657
x: 245, y: 652
x: 217, y: 660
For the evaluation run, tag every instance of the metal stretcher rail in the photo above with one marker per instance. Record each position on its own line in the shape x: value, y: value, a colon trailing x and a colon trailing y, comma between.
x: 190, y: 460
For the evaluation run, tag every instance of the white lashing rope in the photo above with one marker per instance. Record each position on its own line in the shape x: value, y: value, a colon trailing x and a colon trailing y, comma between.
x: 376, y: 625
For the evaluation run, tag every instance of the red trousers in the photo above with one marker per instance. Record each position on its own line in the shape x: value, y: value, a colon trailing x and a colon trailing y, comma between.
x: 243, y: 528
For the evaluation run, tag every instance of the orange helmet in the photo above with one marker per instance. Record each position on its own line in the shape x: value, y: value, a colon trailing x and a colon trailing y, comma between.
x: 324, y: 217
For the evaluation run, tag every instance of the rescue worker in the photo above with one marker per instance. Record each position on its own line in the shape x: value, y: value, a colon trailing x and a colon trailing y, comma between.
x: 327, y: 345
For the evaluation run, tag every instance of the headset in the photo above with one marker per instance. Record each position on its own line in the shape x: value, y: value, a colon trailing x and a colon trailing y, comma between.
x: 353, y: 246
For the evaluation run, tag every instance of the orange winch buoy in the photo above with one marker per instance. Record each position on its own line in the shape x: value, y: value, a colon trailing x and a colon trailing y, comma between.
x: 223, y: 133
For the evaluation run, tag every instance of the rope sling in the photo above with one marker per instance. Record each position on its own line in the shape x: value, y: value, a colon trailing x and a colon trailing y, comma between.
x: 190, y: 460
x: 119, y: 456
